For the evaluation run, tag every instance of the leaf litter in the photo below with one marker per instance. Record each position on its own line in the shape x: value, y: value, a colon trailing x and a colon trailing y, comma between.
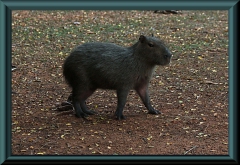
x: 191, y: 93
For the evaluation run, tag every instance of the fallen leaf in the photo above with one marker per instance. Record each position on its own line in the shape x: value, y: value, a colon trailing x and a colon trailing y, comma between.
x: 210, y: 82
x: 76, y: 23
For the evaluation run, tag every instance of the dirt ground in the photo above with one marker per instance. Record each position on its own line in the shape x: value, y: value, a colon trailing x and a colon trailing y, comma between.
x: 191, y: 92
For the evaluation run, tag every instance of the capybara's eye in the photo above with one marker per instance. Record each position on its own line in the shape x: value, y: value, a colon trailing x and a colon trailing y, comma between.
x: 150, y: 44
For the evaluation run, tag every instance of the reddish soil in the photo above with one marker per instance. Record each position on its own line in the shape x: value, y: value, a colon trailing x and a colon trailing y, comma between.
x: 192, y: 96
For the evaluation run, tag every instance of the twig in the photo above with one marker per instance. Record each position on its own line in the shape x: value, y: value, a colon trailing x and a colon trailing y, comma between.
x: 44, y: 145
x: 189, y: 150
x: 64, y: 108
x: 206, y: 128
x: 65, y: 113
x: 145, y: 140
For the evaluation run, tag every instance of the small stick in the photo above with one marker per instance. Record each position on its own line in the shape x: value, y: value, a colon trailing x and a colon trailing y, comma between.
x: 206, y: 128
x: 65, y: 113
x: 190, y: 150
x: 64, y: 108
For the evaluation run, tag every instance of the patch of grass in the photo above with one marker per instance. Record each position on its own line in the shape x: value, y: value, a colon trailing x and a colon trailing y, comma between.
x: 191, y: 36
x: 192, y: 90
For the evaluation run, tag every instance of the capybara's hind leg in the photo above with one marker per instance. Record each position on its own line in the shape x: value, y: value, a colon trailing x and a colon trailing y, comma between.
x: 79, y: 112
x: 84, y: 95
x: 85, y: 109
x: 76, y: 101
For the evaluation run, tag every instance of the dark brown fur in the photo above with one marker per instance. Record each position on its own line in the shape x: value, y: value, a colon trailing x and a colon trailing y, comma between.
x: 108, y: 66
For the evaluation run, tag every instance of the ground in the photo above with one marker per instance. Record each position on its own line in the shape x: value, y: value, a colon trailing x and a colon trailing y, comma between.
x: 191, y: 92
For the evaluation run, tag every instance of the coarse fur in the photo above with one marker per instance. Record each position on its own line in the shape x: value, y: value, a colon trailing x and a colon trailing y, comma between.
x: 108, y: 66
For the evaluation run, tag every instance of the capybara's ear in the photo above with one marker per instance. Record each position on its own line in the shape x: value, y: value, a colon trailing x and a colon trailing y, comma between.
x: 142, y: 38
